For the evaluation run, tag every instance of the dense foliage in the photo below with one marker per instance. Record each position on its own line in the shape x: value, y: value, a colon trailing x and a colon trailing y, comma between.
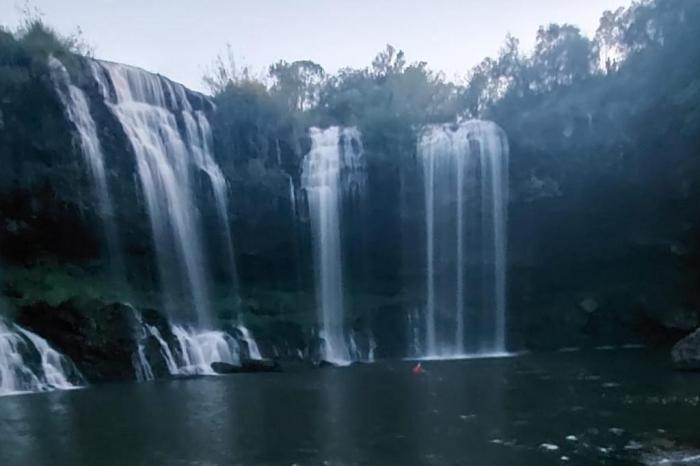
x: 575, y: 105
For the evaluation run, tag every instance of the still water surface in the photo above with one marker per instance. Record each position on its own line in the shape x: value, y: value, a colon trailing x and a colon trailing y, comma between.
x: 598, y: 407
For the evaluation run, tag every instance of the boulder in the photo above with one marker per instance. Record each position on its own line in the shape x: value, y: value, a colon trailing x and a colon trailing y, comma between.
x: 247, y: 365
x: 260, y: 365
x: 686, y: 353
x: 225, y: 368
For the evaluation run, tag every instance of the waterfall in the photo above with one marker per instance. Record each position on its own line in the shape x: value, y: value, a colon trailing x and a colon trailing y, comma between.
x: 77, y: 110
x: 200, y: 135
x: 372, y: 348
x: 199, y: 350
x: 165, y: 350
x: 413, y: 332
x: 170, y: 140
x: 333, y: 167
x: 186, y: 350
x: 465, y: 170
x: 142, y: 366
x: 29, y: 364
x: 253, y: 350
x: 292, y: 197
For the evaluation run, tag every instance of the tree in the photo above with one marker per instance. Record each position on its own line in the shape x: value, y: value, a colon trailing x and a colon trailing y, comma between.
x: 492, y: 79
x: 562, y: 56
x: 388, y: 62
x: 225, y: 72
x: 297, y: 83
x: 609, y: 47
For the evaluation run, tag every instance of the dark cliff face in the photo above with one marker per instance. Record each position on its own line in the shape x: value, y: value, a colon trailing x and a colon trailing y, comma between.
x: 597, y: 256
x: 603, y: 227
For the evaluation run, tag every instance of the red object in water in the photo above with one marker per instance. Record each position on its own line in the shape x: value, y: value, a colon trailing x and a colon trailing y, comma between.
x: 418, y: 369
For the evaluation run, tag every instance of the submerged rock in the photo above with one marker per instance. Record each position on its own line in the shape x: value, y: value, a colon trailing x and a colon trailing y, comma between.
x: 686, y: 353
x: 247, y: 365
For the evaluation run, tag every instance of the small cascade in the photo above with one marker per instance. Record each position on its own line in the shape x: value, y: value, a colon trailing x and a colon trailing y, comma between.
x: 171, y: 140
x: 372, y: 348
x: 413, y: 317
x: 77, y: 110
x: 143, y: 332
x: 29, y: 364
x: 142, y: 368
x: 292, y: 198
x: 165, y: 350
x: 333, y: 168
x: 465, y: 170
x: 353, y: 347
x: 185, y: 350
x: 253, y: 350
x: 198, y: 350
x: 362, y: 346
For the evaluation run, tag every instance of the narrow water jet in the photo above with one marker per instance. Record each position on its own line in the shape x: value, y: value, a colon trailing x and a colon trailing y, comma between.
x: 465, y: 170
x: 292, y: 197
x: 334, y: 167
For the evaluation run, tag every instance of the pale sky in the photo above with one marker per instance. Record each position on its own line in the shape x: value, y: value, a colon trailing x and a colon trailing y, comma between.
x: 181, y: 38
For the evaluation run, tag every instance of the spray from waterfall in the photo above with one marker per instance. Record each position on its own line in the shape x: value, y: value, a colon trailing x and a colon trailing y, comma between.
x: 465, y: 169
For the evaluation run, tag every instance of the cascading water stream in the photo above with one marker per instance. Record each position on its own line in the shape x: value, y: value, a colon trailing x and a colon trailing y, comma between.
x: 253, y: 350
x: 292, y: 198
x: 465, y: 169
x: 200, y: 135
x: 199, y: 350
x: 170, y: 140
x: 77, y: 110
x: 334, y: 166
x: 29, y: 364
x: 188, y: 351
